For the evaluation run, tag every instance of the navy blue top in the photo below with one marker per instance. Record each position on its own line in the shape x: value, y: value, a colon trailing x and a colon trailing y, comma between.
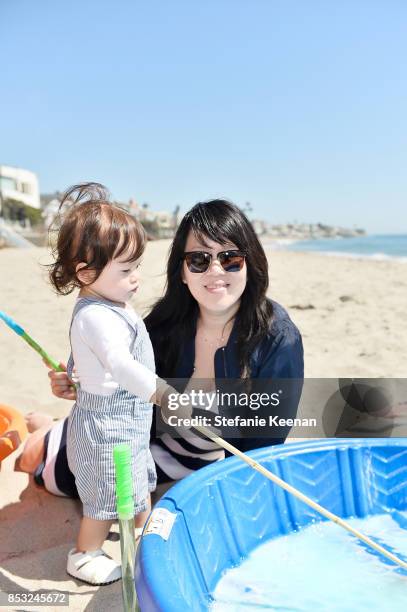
x: 279, y: 355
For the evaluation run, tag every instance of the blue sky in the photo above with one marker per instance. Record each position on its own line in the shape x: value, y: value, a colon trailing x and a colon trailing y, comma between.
x: 297, y: 106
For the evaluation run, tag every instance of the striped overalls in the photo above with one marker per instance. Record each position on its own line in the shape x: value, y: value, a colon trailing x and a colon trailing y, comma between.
x: 98, y: 422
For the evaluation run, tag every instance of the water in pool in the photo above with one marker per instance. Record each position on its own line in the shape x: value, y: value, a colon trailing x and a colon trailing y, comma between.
x: 319, y: 568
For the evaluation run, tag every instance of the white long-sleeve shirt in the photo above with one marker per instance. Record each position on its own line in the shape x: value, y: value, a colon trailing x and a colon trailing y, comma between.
x: 101, y: 342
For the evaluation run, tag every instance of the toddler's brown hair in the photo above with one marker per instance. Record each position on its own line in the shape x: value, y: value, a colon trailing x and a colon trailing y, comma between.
x: 94, y: 231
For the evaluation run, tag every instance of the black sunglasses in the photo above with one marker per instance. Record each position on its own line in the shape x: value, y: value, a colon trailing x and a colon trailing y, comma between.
x: 199, y: 261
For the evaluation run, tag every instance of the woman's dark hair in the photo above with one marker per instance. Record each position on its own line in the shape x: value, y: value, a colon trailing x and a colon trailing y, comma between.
x: 92, y: 230
x: 173, y: 318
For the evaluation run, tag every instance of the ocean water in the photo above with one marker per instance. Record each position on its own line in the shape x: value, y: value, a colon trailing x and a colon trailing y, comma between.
x: 318, y: 569
x: 373, y: 247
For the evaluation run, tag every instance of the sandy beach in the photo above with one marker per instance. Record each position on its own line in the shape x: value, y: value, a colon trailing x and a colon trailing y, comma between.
x: 350, y: 313
x: 351, y: 316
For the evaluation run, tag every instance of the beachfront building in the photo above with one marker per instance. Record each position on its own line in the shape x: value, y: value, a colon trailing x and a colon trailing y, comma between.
x: 259, y: 226
x: 19, y: 185
x: 159, y: 224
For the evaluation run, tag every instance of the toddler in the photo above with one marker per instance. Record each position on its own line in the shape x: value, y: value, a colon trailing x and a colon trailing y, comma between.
x: 98, y: 251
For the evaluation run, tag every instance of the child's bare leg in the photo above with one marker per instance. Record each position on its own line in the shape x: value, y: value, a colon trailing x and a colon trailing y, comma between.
x: 92, y: 534
x: 37, y: 420
x: 140, y: 519
x: 88, y: 563
x: 33, y: 451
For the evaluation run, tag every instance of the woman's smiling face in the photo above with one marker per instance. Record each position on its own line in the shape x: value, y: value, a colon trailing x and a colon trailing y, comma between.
x: 216, y: 289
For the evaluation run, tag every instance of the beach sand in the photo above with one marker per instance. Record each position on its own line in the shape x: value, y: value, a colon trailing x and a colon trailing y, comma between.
x: 350, y: 313
x: 351, y: 316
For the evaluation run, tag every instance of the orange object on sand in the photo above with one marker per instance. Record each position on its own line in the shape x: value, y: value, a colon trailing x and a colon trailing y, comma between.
x: 13, y: 430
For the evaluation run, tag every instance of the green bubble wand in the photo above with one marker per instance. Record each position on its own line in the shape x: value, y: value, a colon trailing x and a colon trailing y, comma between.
x: 23, y: 334
x: 125, y: 511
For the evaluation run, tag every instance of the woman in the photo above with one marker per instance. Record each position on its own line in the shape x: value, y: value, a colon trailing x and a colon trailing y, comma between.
x: 215, y: 322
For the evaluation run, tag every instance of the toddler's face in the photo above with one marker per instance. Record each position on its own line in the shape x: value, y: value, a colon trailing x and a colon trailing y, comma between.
x: 118, y: 281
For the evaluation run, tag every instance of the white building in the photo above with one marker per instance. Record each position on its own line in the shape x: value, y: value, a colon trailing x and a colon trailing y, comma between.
x: 21, y: 185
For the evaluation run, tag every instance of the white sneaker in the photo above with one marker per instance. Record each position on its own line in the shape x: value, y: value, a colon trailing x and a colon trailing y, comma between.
x: 94, y: 567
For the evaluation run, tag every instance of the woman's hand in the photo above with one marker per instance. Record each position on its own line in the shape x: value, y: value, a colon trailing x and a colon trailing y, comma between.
x: 61, y: 385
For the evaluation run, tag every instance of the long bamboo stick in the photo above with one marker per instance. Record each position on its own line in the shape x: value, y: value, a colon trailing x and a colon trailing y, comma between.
x: 304, y: 498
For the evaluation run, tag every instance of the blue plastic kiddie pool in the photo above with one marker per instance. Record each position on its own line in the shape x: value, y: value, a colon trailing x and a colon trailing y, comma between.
x: 214, y: 518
